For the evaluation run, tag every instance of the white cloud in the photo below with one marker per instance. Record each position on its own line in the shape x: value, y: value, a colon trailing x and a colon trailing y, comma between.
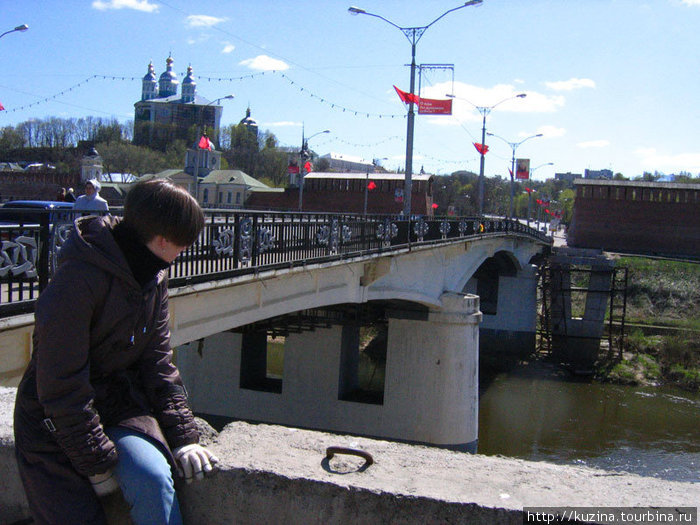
x: 204, y: 21
x: 691, y: 2
x: 652, y: 160
x: 594, y: 144
x: 551, y: 131
x: 137, y: 5
x: 264, y: 63
x: 571, y: 84
x: 228, y: 48
x: 501, y: 95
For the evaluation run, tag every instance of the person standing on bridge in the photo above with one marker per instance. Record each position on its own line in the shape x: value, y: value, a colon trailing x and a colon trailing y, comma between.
x: 101, y: 405
x: 91, y: 201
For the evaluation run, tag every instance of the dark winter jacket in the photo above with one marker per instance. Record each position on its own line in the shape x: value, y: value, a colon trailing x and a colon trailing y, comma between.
x: 101, y: 357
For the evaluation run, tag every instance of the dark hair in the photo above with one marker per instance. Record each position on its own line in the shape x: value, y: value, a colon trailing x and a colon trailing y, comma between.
x: 159, y: 207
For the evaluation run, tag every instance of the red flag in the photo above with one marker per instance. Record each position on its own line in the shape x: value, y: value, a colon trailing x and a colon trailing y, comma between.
x: 2, y: 108
x: 407, y: 97
x: 435, y: 206
x: 308, y: 167
x: 481, y: 148
x: 205, y: 143
x: 371, y: 185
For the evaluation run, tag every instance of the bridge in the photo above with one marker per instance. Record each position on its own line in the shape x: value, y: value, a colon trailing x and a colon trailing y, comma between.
x: 431, y: 293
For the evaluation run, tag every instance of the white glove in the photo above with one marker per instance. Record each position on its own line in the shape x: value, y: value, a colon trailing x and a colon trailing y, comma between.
x: 194, y: 461
x: 104, y: 484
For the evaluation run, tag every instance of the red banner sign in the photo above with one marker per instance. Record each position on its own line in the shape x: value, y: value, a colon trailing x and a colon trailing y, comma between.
x: 426, y: 106
x: 431, y: 106
x: 522, y: 169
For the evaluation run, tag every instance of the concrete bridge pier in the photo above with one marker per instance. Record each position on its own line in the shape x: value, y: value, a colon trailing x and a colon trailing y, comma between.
x: 576, y: 338
x: 430, y: 390
x: 509, y: 305
x: 432, y: 374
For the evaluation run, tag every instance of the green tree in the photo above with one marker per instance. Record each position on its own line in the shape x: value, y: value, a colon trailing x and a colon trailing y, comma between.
x: 10, y: 139
x: 566, y: 202
x: 119, y: 157
x: 271, y: 166
x: 243, y: 148
x: 322, y: 165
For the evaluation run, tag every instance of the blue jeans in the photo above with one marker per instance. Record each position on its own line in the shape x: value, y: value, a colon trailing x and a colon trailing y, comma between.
x: 145, y: 478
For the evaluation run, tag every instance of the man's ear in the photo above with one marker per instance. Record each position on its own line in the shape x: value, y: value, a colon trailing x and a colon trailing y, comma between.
x: 157, y: 245
x: 160, y: 241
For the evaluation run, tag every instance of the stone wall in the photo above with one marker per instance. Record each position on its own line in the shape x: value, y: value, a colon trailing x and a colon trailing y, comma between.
x: 636, y: 217
x: 272, y: 474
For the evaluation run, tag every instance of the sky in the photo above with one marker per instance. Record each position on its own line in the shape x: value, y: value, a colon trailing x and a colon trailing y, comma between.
x: 610, y: 84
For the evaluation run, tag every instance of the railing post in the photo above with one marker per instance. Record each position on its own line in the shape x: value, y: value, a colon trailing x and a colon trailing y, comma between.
x: 44, y: 251
x: 236, y: 239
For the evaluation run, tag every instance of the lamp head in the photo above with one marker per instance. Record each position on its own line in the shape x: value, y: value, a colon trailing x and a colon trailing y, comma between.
x: 473, y: 2
x: 23, y: 27
x: 356, y: 10
x: 521, y: 95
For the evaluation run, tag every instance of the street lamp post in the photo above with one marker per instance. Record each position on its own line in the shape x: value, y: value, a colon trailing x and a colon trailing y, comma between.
x: 484, y: 110
x: 529, y: 193
x: 413, y: 34
x: 198, y: 149
x: 302, y: 154
x: 513, y: 146
x: 21, y: 29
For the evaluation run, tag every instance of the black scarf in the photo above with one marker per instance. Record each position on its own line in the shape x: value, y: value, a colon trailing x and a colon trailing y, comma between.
x: 144, y: 264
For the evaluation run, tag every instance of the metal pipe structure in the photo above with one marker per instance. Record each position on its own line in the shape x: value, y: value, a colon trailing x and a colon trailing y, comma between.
x: 484, y: 110
x: 413, y: 34
x: 302, y: 153
x: 513, y: 146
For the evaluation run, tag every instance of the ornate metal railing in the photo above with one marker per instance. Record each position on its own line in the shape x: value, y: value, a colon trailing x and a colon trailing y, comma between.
x: 237, y: 243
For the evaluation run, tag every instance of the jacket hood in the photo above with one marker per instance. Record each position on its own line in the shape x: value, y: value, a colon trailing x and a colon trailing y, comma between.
x: 92, y: 242
x: 95, y: 184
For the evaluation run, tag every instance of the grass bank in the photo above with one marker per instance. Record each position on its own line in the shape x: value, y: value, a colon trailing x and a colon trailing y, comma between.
x: 663, y: 309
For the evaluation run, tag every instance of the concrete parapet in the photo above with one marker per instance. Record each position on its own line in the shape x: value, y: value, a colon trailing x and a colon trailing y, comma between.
x: 272, y: 474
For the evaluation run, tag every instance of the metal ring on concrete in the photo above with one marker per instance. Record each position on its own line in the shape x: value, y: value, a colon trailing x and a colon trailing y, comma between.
x: 331, y: 451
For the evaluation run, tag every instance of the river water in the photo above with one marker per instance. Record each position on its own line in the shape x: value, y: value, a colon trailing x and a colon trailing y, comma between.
x: 535, y: 413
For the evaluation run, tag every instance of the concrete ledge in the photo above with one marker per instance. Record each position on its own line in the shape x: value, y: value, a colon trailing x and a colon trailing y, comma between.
x: 271, y: 474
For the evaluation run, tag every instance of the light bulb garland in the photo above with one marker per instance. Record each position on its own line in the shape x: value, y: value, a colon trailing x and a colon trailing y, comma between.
x: 332, y: 105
